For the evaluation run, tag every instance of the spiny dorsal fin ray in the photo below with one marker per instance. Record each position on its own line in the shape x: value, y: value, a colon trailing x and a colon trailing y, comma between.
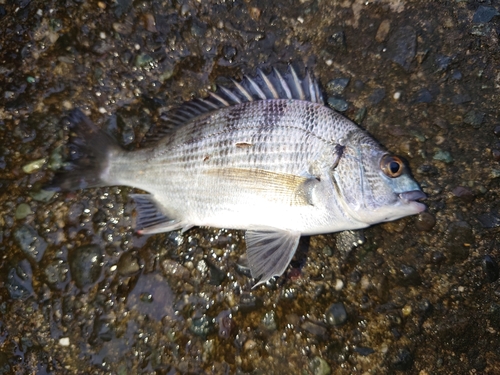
x: 262, y: 86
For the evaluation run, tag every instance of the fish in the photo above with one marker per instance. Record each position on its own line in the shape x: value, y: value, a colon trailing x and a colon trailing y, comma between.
x: 266, y: 156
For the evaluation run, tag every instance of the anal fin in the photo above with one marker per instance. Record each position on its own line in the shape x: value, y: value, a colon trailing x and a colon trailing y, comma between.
x: 270, y: 251
x: 150, y: 218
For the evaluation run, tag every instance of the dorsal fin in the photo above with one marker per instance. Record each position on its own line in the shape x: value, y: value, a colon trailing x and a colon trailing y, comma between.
x: 262, y: 86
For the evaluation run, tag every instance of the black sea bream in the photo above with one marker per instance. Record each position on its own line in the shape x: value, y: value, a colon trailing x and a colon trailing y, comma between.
x: 267, y: 157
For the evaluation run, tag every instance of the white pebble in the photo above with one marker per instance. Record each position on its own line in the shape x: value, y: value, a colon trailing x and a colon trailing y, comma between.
x: 397, y: 95
x: 64, y: 341
x: 339, y: 285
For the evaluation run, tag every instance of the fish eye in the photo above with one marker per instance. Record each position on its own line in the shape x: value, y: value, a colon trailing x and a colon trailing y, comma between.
x: 392, y: 166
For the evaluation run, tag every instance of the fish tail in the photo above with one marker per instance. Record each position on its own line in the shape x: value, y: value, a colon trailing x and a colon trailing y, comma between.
x: 89, y: 154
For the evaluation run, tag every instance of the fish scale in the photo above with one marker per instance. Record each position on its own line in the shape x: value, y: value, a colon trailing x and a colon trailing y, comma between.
x: 266, y: 157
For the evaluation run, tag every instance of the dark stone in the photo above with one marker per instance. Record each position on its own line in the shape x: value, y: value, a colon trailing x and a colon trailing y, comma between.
x: 474, y: 118
x: 377, y: 95
x: 402, y: 45
x: 443, y: 62
x: 423, y: 96
x: 336, y: 42
x: 427, y: 169
x: 336, y: 314
x: 19, y: 281
x: 337, y: 86
x: 484, y: 14
x: 338, y: 104
x: 403, y: 360
x: 409, y: 276
x: 490, y: 219
x: 497, y: 130
x: 30, y: 242
x: 425, y: 221
x: 490, y: 268
x: 85, y: 264
x: 363, y: 350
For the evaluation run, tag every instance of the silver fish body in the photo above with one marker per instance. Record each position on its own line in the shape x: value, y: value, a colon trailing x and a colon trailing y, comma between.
x: 268, y: 158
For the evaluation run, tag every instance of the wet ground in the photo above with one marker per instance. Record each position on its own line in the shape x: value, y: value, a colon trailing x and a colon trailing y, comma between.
x: 81, y: 292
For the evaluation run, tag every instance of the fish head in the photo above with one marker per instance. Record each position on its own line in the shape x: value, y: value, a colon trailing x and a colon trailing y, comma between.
x: 375, y: 186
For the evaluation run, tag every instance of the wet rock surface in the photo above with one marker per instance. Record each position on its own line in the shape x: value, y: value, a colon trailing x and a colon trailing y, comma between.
x: 81, y: 292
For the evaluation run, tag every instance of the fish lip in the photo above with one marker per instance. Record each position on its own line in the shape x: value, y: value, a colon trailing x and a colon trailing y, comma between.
x: 411, y: 197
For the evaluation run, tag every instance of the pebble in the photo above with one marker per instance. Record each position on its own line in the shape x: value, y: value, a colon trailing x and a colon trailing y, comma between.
x: 22, y: 211
x: 484, y: 14
x: 34, y: 166
x: 403, y: 360
x: 314, y: 328
x: 336, y: 42
x: 269, y: 321
x: 402, y: 46
x: 364, y: 351
x: 423, y: 96
x: 56, y: 273
x: 383, y: 31
x: 425, y: 222
x: 409, y: 276
x: 338, y: 104
x: 201, y: 326
x: 377, y: 96
x: 319, y: 366
x: 19, y: 281
x: 85, y: 264
x: 42, y: 195
x: 32, y: 245
x: 474, y: 118
x: 443, y: 156
x: 490, y: 268
x: 336, y: 314
x: 337, y: 86
x: 225, y: 323
x: 128, y: 264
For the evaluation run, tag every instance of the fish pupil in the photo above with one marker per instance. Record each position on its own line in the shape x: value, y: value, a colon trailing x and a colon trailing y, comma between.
x: 394, y: 167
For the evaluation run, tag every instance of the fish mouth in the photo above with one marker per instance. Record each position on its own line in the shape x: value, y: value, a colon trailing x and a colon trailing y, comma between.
x: 411, y: 198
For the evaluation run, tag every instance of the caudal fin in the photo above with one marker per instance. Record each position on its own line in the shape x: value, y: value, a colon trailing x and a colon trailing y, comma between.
x: 89, y: 150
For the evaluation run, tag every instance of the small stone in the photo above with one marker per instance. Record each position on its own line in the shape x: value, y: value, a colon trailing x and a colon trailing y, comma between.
x: 22, y: 211
x: 34, y: 166
x: 201, y: 326
x: 336, y: 314
x: 19, y: 281
x: 484, y: 14
x: 474, y: 118
x: 443, y: 156
x: 128, y: 264
x: 497, y: 130
x: 336, y: 42
x: 490, y: 268
x: 314, y: 328
x: 85, y: 264
x: 383, y: 31
x: 495, y: 173
x: 409, y: 276
x: 463, y: 192
x: 423, y: 96
x: 425, y: 221
x: 42, y: 195
x: 338, y: 104
x: 365, y: 352
x: 402, y: 46
x: 360, y: 115
x: 269, y: 321
x: 56, y: 273
x: 319, y: 366
x: 403, y: 360
x: 337, y: 86
x: 377, y: 96
x: 64, y: 341
x: 30, y: 242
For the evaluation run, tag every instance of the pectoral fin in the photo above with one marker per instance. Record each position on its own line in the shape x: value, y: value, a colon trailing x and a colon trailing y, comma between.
x: 270, y: 251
